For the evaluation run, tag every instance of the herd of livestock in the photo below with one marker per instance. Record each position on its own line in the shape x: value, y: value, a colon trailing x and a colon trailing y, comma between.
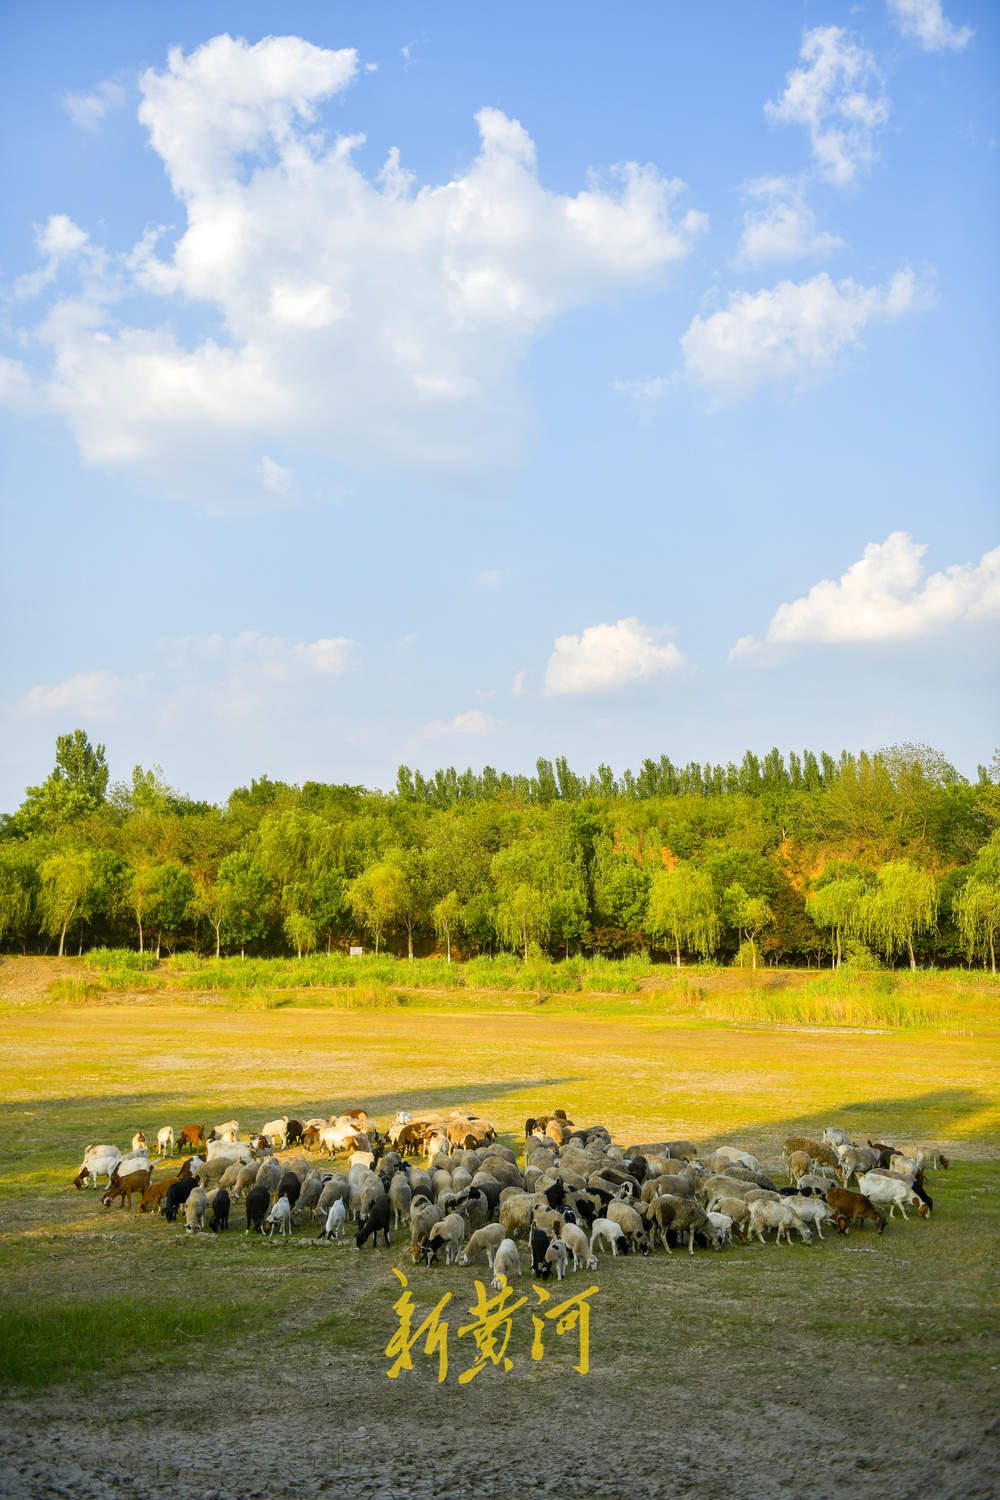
x: 574, y: 1192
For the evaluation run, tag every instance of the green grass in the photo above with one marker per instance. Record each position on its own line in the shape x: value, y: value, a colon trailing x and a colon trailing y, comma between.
x: 62, y: 1341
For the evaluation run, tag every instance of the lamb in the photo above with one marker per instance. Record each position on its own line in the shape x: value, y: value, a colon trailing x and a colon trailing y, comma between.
x: 538, y: 1243
x: 123, y: 1186
x: 780, y: 1216
x: 220, y: 1211
x: 880, y: 1189
x: 165, y: 1141
x: 280, y: 1216
x: 276, y: 1132
x: 557, y: 1255
x: 335, y: 1186
x: 447, y: 1234
x: 335, y: 1221
x: 506, y: 1263
x: 485, y: 1241
x: 735, y: 1210
x: 738, y: 1158
x: 611, y: 1233
x: 722, y: 1224
x: 811, y: 1211
x: 194, y: 1211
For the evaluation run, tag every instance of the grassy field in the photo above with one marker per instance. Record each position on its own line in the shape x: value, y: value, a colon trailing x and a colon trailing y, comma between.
x: 77, y: 1067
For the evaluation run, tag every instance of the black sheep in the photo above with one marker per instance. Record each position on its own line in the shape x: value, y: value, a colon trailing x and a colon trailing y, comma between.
x: 293, y: 1133
x: 258, y: 1204
x: 177, y: 1193
x: 289, y: 1187
x: 220, y: 1211
x: 539, y: 1244
x: 376, y: 1223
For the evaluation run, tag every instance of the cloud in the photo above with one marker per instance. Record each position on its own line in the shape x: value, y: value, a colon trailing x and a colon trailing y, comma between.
x: 473, y: 721
x: 645, y: 393
x: 92, y: 694
x: 88, y: 110
x: 781, y: 226
x: 517, y: 687
x: 924, y: 22
x: 884, y: 597
x: 489, y: 579
x: 840, y: 99
x: 793, y: 332
x: 362, y: 317
x: 610, y: 656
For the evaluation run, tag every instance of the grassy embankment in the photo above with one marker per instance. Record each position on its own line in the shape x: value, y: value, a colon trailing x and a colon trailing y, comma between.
x: 89, y: 1290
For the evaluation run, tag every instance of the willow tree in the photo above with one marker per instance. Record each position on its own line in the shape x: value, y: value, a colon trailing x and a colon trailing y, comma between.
x: 446, y: 914
x: 66, y: 883
x: 377, y: 897
x: 903, y: 904
x: 683, y: 906
x: 976, y: 908
x: 748, y: 914
x: 838, y: 905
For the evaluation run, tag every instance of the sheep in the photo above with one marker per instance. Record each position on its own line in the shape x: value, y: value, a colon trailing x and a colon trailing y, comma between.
x: 854, y: 1160
x: 334, y: 1187
x: 557, y: 1255
x: 257, y: 1204
x: 229, y: 1131
x: 846, y: 1207
x: 139, y: 1142
x: 811, y: 1211
x: 308, y: 1197
x: 632, y: 1225
x: 880, y: 1189
x: 538, y: 1243
x: 722, y: 1224
x: 484, y: 1241
x: 447, y: 1234
x: 780, y: 1216
x: 194, y: 1211
x: 276, y: 1132
x: 268, y: 1174
x: 735, y: 1210
x: 506, y: 1263
x: 489, y: 1186
x: 220, y: 1211
x: 123, y: 1185
x: 423, y: 1216
x: 611, y: 1233
x: 335, y: 1221
x: 797, y: 1165
x: 289, y: 1186
x: 165, y: 1141
x: 682, y: 1215
x: 375, y: 1222
x: 547, y: 1219
x: 280, y: 1217
x: 246, y: 1176
x: 191, y: 1138
x: 684, y: 1150
x: 177, y: 1195
x: 925, y: 1156
x: 834, y: 1136
x: 738, y: 1158
x: 515, y: 1213
x: 97, y: 1160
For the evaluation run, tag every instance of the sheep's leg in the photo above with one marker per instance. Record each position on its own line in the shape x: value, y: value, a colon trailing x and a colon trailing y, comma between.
x: 691, y: 1241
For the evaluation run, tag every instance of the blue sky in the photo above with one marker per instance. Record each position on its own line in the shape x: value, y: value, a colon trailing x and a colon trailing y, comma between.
x: 461, y: 384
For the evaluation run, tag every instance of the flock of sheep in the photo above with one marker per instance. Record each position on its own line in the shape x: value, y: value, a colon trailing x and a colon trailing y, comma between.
x: 575, y: 1193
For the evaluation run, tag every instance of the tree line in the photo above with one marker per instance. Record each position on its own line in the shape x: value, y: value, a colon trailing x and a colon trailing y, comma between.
x: 810, y: 859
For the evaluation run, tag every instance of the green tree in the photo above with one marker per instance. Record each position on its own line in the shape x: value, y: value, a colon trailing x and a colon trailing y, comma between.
x: 377, y: 898
x: 748, y: 914
x: 903, y: 904
x: 76, y: 787
x: 446, y: 914
x: 249, y: 893
x: 976, y: 908
x: 18, y: 889
x: 172, y: 896
x: 683, y: 906
x: 838, y: 905
x: 66, y: 884
x: 300, y: 929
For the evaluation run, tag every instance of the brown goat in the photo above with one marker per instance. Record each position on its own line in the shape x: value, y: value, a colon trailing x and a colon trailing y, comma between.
x: 848, y: 1208
x: 124, y: 1187
x: 155, y: 1193
x: 191, y: 1137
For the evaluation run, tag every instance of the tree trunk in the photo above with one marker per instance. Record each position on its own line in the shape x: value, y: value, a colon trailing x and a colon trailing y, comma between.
x: 218, y: 937
x: 677, y: 945
x: 62, y: 938
x: 409, y: 941
x: 840, y: 957
x: 447, y: 939
x: 913, y: 961
x: 139, y: 920
x: 993, y: 955
x: 159, y: 936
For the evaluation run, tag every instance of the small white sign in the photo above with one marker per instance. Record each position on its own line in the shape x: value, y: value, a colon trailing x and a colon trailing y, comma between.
x: 357, y: 953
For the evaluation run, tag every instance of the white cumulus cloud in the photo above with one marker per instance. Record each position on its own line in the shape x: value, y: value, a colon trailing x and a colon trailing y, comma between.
x: 885, y: 596
x: 366, y: 318
x: 924, y: 22
x: 610, y: 656
x: 780, y: 225
x: 95, y: 694
x: 839, y: 97
x: 88, y: 110
x: 791, y: 333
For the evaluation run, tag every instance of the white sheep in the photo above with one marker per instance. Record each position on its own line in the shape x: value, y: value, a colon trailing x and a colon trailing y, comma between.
x: 608, y: 1231
x: 739, y: 1158
x: 280, y: 1216
x: 335, y: 1220
x: 879, y: 1189
x: 767, y: 1215
x: 97, y: 1160
x: 486, y: 1241
x: 557, y: 1255
x: 276, y: 1131
x: 229, y: 1131
x: 723, y: 1226
x: 834, y: 1136
x: 165, y: 1141
x: 506, y: 1263
x: 448, y: 1234
x: 812, y: 1210
x: 194, y: 1211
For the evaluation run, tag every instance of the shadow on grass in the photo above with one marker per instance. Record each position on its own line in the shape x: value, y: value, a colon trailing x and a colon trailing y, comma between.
x: 921, y: 1117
